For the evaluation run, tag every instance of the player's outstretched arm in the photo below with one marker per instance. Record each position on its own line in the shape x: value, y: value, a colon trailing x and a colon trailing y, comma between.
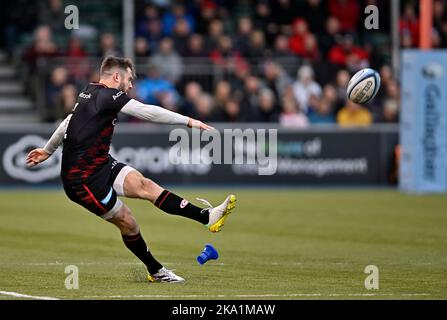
x: 160, y: 115
x: 39, y: 155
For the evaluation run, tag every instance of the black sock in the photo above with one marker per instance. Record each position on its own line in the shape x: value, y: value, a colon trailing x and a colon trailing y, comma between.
x: 139, y: 248
x: 173, y: 204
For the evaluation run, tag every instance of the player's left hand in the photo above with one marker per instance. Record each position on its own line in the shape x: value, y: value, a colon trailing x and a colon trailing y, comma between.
x: 193, y: 123
x: 36, y: 156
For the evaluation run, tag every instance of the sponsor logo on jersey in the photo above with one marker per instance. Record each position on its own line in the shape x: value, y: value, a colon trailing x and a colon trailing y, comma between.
x: 85, y: 95
x: 183, y: 203
x: 114, y: 163
x: 116, y: 96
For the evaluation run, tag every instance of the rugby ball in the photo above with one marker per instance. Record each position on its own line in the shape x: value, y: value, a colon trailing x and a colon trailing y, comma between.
x: 363, y: 86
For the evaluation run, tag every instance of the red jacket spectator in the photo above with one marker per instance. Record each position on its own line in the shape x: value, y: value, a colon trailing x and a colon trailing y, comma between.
x: 339, y: 54
x: 225, y: 55
x: 409, y: 22
x: 301, y: 42
x: 347, y: 12
x: 75, y: 49
x: 42, y: 46
x: 79, y: 67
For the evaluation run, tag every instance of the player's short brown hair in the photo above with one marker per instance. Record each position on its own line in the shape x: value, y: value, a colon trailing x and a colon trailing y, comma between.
x: 111, y: 62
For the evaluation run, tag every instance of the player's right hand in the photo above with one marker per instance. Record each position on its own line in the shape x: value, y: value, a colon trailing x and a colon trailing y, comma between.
x: 193, y: 123
x: 36, y: 156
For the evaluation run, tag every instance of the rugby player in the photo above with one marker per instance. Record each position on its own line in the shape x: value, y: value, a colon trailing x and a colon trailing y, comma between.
x: 93, y: 179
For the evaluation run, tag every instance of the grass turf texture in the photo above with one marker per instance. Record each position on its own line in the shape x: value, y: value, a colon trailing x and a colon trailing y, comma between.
x: 283, y: 244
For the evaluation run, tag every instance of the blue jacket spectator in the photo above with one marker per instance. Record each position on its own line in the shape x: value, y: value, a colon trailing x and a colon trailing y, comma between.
x: 170, y: 19
x: 150, y: 90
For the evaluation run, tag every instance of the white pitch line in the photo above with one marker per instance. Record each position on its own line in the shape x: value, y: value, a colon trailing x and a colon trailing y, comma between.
x: 256, y: 295
x: 20, y: 295
x: 82, y: 263
x: 329, y: 294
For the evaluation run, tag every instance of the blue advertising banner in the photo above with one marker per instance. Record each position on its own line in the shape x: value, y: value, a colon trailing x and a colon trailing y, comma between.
x: 330, y: 156
x: 423, y: 129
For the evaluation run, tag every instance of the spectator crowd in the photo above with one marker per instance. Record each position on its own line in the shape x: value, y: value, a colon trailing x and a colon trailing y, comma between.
x: 284, y: 61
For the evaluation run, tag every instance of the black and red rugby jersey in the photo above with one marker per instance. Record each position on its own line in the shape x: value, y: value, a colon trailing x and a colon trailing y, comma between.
x: 89, y: 133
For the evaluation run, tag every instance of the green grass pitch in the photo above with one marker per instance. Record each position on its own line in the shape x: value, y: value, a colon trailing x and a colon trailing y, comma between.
x: 277, y: 244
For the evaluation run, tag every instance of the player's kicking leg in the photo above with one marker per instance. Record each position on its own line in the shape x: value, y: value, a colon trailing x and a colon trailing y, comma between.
x: 130, y: 183
x: 133, y: 240
x: 100, y: 198
x: 135, y: 185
